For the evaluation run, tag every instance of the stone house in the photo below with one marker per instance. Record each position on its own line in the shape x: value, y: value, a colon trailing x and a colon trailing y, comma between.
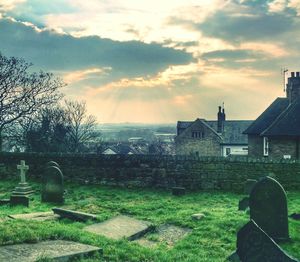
x: 276, y: 132
x: 212, y: 138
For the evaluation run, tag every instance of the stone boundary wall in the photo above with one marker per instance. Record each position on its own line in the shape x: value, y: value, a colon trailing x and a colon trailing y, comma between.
x: 204, y: 173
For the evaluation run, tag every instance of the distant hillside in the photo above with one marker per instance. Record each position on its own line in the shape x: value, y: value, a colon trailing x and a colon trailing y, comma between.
x: 124, y: 131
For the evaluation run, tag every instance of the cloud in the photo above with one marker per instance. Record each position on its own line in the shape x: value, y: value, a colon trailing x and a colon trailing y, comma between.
x: 55, y: 51
x: 245, y: 28
x: 7, y: 5
x: 240, y: 21
x: 88, y: 74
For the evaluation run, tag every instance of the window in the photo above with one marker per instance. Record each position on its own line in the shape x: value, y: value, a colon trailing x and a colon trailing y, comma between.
x: 266, y: 146
x: 228, y: 151
x: 198, y: 134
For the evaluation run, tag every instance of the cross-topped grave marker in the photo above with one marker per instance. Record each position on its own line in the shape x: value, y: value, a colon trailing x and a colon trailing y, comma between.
x: 23, y: 169
x: 23, y: 190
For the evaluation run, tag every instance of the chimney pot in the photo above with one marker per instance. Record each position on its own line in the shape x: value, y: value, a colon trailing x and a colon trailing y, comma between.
x: 292, y: 74
x: 297, y: 74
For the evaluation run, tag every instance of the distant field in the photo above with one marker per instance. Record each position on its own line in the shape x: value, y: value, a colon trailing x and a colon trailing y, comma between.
x: 212, y: 239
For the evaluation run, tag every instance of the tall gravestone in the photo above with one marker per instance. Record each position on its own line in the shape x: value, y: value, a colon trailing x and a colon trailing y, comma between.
x: 53, y: 185
x: 52, y: 163
x: 254, y: 245
x: 268, y: 208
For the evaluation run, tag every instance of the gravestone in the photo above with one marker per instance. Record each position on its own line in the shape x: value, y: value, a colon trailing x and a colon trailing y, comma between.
x: 56, y: 250
x: 121, y: 227
x: 249, y: 184
x: 74, y: 215
x: 52, y: 185
x: 52, y: 163
x: 20, y: 195
x: 23, y: 189
x: 38, y: 216
x: 254, y: 245
x: 268, y: 208
x: 244, y: 204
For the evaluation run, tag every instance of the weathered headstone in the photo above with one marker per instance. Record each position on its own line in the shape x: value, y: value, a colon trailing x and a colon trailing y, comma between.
x: 56, y: 250
x: 52, y: 163
x: 268, y: 208
x: 23, y: 189
x: 178, y: 191
x: 254, y: 245
x: 121, y: 227
x: 244, y: 204
x: 53, y: 186
x: 249, y: 184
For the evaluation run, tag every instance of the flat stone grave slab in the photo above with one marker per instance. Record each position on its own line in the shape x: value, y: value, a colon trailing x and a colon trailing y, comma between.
x: 58, y: 250
x: 167, y: 234
x: 121, y: 227
x: 39, y: 216
x: 74, y: 215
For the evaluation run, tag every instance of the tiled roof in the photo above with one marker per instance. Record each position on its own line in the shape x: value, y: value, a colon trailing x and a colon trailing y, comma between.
x: 233, y: 131
x: 267, y: 117
x: 287, y: 123
x: 184, y: 124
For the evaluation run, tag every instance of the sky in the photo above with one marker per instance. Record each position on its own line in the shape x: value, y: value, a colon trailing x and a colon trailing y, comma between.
x: 159, y: 61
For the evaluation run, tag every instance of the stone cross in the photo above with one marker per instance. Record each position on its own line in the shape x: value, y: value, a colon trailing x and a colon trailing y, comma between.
x: 23, y: 169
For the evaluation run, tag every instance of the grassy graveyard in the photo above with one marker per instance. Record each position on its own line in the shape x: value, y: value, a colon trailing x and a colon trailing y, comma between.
x: 212, y: 238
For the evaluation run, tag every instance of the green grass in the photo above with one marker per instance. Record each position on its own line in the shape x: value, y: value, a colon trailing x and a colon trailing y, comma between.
x: 212, y: 239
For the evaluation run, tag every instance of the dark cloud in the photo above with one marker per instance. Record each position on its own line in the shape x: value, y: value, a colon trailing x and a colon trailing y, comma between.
x: 232, y: 54
x: 242, y: 58
x: 52, y: 51
x: 234, y: 28
x: 247, y: 21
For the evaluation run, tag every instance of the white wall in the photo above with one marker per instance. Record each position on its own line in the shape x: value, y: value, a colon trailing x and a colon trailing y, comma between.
x: 241, y: 150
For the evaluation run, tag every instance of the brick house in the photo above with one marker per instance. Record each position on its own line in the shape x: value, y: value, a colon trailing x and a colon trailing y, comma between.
x: 212, y: 138
x: 276, y: 132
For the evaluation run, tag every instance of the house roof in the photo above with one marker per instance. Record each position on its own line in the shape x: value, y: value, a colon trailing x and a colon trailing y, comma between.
x: 233, y: 131
x: 287, y: 123
x: 184, y: 124
x: 122, y: 149
x: 267, y: 117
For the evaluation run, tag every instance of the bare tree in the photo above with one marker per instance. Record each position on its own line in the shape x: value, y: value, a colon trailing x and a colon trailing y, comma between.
x: 22, y: 93
x: 48, y: 131
x: 82, y: 126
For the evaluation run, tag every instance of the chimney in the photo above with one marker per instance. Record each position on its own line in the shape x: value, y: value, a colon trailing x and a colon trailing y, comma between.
x: 293, y: 87
x: 221, y: 120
